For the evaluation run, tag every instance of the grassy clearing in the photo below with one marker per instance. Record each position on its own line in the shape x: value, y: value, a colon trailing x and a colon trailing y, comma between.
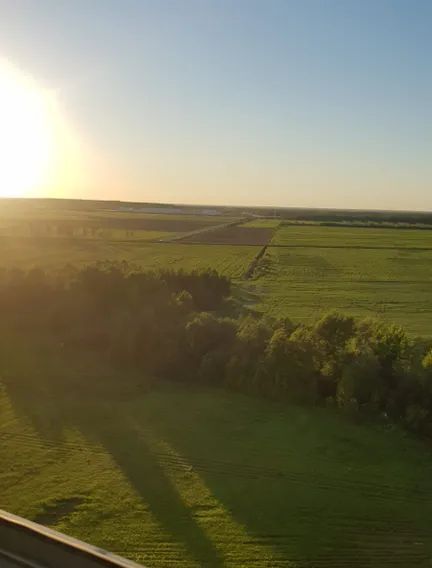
x: 393, y: 284
x: 194, y: 477
x: 354, y: 237
x: 56, y: 253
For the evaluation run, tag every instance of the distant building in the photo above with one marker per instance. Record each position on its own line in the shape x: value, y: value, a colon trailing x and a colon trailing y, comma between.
x: 159, y: 210
x: 170, y: 210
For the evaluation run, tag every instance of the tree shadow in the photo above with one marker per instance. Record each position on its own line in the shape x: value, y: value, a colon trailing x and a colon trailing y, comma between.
x: 246, y: 466
x: 141, y: 466
x: 51, y: 415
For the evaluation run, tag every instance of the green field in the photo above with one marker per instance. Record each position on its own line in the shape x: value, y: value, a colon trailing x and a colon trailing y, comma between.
x: 306, y: 270
x: 88, y: 220
x: 263, y: 224
x: 194, y: 477
x: 181, y: 475
x: 385, y: 273
x: 394, y: 284
x: 351, y: 237
x: 55, y: 253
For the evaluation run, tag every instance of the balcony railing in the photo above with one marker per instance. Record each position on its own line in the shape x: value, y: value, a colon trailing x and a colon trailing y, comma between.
x: 27, y: 544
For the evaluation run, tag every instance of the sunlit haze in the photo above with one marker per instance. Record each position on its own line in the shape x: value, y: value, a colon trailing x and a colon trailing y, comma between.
x: 39, y: 153
x: 277, y: 102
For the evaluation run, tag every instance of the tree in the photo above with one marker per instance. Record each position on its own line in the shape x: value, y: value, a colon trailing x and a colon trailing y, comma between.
x: 210, y: 339
x: 247, y: 354
x: 289, y: 368
x: 360, y: 380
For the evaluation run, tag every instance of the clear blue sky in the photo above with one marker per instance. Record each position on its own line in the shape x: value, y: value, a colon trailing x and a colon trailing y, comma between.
x: 321, y: 103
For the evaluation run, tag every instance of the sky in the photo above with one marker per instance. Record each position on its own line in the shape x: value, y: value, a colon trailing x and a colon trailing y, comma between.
x: 309, y: 103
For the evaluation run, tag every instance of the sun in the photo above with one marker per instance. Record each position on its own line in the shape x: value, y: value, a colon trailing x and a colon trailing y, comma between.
x: 27, y: 134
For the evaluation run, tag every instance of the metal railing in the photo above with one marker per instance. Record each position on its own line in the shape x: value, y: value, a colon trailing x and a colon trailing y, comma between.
x: 27, y: 544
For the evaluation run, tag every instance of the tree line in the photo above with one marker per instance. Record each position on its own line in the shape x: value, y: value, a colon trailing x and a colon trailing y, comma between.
x: 185, y: 326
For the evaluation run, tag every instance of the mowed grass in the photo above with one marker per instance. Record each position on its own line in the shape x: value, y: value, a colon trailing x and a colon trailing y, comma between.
x: 194, y: 477
x: 383, y: 273
x: 56, y: 253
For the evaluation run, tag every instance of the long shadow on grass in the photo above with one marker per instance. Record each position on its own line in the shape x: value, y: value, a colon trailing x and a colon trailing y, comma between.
x: 281, y: 502
x: 141, y: 466
x: 50, y: 414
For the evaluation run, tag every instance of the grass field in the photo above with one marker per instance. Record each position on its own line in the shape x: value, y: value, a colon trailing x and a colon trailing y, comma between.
x: 386, y: 273
x: 55, y: 253
x: 193, y: 477
x: 120, y: 227
x: 351, y: 237
x: 234, y: 235
x: 28, y: 218
x: 57, y: 209
x: 306, y: 269
x: 263, y: 223
x: 394, y: 284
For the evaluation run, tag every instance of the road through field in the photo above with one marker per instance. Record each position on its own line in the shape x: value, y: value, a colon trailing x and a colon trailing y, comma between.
x: 202, y: 231
x: 304, y: 271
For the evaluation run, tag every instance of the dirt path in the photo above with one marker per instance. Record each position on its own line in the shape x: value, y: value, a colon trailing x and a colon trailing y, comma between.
x: 179, y: 237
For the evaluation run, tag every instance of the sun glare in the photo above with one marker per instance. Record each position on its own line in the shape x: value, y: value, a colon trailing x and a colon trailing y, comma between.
x: 26, y: 134
x: 39, y: 153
